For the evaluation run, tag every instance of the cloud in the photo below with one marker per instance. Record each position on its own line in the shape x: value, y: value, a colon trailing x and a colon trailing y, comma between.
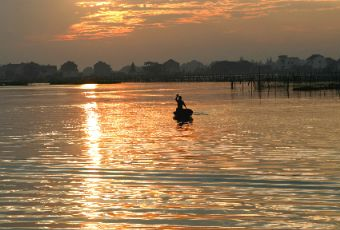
x: 108, y: 18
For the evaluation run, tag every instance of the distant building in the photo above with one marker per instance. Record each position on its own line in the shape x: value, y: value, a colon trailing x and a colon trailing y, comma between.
x: 332, y: 64
x: 269, y: 62
x: 171, y: 66
x: 152, y: 67
x: 287, y: 63
x: 232, y: 67
x: 338, y: 65
x: 193, y: 67
x: 295, y: 61
x: 316, y: 61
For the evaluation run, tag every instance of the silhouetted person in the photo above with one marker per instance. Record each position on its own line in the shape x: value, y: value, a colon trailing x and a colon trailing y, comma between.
x: 180, y: 102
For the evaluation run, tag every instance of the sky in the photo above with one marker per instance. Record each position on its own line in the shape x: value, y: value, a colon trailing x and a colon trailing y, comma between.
x: 124, y: 31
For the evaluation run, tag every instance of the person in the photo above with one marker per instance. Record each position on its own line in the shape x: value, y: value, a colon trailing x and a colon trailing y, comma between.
x: 180, y: 102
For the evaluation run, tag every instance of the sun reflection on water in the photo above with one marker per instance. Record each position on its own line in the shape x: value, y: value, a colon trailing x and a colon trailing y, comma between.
x: 89, y: 86
x: 131, y: 167
x: 92, y: 190
x: 93, y: 132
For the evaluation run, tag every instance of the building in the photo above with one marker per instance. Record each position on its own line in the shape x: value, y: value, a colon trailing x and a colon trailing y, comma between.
x: 316, y: 61
x: 233, y: 67
x: 152, y: 67
x: 193, y: 67
x: 171, y: 66
x: 288, y: 63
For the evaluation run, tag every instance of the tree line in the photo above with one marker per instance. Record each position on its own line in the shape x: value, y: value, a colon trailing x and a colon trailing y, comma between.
x: 101, y: 72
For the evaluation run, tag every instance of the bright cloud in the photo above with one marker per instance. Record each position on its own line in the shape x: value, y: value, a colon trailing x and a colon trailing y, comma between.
x: 105, y: 19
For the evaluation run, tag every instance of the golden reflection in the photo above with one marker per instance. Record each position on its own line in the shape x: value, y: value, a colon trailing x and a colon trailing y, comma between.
x: 92, y: 182
x: 93, y: 132
x: 89, y: 86
x: 89, y: 94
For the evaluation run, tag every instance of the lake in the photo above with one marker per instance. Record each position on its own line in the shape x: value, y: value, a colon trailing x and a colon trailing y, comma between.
x: 112, y: 157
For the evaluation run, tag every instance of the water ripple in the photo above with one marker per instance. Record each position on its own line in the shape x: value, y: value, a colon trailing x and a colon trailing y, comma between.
x: 112, y: 157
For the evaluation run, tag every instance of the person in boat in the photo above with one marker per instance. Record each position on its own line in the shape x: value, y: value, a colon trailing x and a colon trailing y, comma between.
x: 180, y: 103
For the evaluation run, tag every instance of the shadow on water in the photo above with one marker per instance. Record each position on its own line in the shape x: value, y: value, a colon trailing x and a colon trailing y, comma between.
x: 183, y: 122
x: 183, y: 116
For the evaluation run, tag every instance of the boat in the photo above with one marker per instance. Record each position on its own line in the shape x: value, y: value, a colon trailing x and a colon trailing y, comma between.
x: 183, y: 114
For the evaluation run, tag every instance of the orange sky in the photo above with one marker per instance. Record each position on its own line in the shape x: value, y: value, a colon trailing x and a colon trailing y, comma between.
x: 123, y: 31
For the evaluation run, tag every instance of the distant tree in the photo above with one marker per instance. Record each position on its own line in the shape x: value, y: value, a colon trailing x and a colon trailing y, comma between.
x: 102, y: 69
x: 69, y: 66
x: 88, y: 71
x: 31, y: 72
x: 132, y: 68
x: 9, y: 71
x: 69, y: 69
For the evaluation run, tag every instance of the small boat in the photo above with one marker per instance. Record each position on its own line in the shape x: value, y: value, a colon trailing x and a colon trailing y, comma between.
x: 183, y: 114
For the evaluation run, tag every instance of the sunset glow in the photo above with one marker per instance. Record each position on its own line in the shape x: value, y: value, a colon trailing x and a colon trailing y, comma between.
x: 105, y: 19
x: 121, y: 32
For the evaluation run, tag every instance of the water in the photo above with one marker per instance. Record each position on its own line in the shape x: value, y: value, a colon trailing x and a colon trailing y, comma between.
x: 112, y: 157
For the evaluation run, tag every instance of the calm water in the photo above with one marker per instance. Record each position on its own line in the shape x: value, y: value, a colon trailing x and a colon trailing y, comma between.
x: 112, y: 157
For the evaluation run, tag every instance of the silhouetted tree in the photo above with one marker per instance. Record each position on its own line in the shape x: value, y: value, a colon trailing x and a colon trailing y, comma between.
x: 31, y: 72
x: 69, y: 66
x: 88, y: 71
x: 132, y: 68
x: 69, y: 69
x: 102, y: 69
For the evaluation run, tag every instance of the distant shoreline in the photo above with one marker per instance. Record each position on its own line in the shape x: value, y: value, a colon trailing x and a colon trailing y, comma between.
x: 53, y: 83
x: 257, y: 85
x: 316, y: 68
